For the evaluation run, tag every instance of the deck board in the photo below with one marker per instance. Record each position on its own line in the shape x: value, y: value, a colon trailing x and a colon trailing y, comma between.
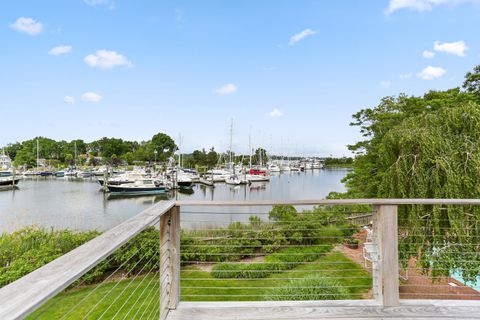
x: 336, y: 310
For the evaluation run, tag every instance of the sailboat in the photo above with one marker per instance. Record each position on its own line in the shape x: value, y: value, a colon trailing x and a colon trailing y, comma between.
x: 72, y: 172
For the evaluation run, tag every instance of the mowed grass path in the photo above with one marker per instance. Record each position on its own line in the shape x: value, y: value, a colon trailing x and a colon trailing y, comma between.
x: 139, y: 298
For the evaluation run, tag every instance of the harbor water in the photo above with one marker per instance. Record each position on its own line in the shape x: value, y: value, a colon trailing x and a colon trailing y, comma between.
x: 80, y: 204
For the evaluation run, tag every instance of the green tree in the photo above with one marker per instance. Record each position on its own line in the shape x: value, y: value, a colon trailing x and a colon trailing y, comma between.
x: 212, y: 158
x: 164, y: 145
x: 260, y: 156
x: 24, y: 157
x: 472, y: 81
x: 425, y: 147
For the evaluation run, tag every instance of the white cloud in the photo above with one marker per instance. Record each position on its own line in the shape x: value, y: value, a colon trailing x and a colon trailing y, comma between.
x: 421, y: 5
x: 91, y: 97
x: 430, y: 73
x: 301, y: 35
x: 457, y: 48
x: 105, y: 59
x: 386, y: 83
x: 226, y: 89
x: 93, y: 3
x: 69, y: 100
x: 60, y: 50
x: 97, y: 2
x: 428, y: 54
x: 405, y: 76
x: 275, y: 113
x: 28, y: 26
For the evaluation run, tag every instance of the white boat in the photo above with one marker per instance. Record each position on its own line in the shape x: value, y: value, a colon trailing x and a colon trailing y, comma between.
x: 317, y: 165
x: 71, y: 172
x: 99, y: 172
x: 233, y: 180
x: 139, y: 187
x: 183, y: 179
x: 285, y: 168
x: 273, y: 168
x: 218, y: 175
x: 8, y: 181
x: 256, y: 178
x: 125, y: 178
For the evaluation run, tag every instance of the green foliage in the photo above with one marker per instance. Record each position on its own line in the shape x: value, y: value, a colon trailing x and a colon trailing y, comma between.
x: 338, y: 162
x: 313, y: 287
x: 426, y: 147
x: 30, y: 248
x: 472, y: 81
x: 282, y: 260
x: 25, y: 153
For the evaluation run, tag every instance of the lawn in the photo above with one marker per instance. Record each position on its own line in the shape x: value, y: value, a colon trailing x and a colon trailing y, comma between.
x: 129, y: 299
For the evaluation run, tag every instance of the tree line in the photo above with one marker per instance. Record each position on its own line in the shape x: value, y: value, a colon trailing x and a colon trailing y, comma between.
x: 426, y: 147
x: 115, y: 151
x: 160, y: 148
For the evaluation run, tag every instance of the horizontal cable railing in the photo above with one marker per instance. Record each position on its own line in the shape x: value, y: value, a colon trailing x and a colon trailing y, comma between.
x: 115, y: 262
x: 280, y: 253
x: 381, y: 250
x: 439, y: 252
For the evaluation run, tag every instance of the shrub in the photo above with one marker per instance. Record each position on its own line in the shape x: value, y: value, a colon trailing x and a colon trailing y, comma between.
x: 310, y: 288
x: 276, y: 262
x: 30, y: 248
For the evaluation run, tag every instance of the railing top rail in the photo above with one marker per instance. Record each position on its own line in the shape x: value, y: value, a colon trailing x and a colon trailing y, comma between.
x: 330, y: 202
x: 25, y: 295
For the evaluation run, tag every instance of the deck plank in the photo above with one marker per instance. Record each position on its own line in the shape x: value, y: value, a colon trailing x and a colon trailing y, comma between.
x: 336, y: 310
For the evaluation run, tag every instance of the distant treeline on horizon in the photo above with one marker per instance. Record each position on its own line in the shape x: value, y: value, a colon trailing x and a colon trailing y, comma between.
x: 116, y: 151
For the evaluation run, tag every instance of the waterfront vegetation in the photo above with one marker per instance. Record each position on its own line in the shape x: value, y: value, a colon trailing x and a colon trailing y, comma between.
x: 287, y: 239
x: 426, y: 147
x: 354, y: 279
x: 283, y: 244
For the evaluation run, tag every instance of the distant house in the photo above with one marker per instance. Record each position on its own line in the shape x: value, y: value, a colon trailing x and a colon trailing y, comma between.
x: 5, y: 161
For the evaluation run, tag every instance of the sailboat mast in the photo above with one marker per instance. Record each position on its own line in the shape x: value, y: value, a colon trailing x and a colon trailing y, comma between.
x: 231, y: 143
x: 38, y: 153
x: 250, y: 148
x: 75, y: 144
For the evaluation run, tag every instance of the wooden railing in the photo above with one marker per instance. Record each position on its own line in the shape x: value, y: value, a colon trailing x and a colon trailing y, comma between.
x: 21, y: 298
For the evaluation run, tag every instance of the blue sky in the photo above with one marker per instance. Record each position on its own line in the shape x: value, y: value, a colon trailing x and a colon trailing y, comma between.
x: 289, y: 72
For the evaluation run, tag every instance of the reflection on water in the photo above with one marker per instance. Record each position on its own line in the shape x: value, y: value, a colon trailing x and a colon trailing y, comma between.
x: 80, y: 204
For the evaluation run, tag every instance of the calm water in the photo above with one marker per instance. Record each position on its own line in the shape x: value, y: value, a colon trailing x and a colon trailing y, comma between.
x: 79, y: 204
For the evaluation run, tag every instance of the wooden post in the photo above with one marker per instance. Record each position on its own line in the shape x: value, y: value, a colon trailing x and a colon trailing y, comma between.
x: 386, y: 237
x: 169, y: 261
x: 376, y: 270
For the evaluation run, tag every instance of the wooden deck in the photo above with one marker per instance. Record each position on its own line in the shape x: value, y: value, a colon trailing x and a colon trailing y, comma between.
x: 318, y: 310
x: 22, y: 297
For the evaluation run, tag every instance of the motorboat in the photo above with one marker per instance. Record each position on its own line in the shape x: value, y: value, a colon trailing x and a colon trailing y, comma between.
x: 9, y: 181
x: 124, y: 178
x: 46, y: 173
x: 317, y: 165
x: 256, y: 178
x: 233, y: 180
x: 139, y: 187
x: 70, y: 172
x: 6, y: 173
x: 183, y: 179
x: 218, y: 175
x: 273, y: 168
x: 100, y: 172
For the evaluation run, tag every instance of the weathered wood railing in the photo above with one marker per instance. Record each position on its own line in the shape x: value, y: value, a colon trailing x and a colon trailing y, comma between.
x: 21, y: 298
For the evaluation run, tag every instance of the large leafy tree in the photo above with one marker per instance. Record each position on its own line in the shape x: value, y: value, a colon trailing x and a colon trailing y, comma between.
x: 164, y: 145
x: 425, y: 147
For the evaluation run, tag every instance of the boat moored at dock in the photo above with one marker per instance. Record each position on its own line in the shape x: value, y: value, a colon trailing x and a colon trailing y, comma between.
x: 139, y: 187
